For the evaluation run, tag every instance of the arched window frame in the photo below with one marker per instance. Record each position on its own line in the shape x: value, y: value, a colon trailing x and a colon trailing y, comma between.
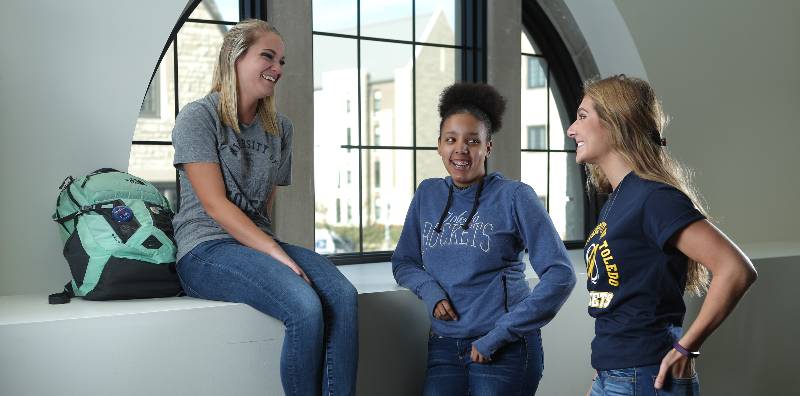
x: 247, y: 9
x: 564, y: 74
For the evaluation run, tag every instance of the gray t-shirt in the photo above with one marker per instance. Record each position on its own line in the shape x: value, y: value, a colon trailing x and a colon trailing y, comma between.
x: 252, y: 163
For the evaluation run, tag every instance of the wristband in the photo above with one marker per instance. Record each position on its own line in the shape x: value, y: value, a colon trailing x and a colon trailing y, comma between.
x: 683, y: 351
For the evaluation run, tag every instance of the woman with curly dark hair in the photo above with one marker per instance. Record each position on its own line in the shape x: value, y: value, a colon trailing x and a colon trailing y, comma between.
x: 461, y: 253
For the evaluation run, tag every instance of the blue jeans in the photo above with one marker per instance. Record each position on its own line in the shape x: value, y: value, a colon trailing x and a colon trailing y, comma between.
x: 320, y: 347
x: 515, y: 368
x: 640, y: 381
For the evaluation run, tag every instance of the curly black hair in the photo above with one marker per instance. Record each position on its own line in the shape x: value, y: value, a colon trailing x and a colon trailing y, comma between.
x: 480, y: 100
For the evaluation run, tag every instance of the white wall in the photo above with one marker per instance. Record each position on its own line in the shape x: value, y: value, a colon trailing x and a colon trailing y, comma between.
x: 607, y: 37
x: 751, y: 352
x: 72, y: 78
x: 727, y: 73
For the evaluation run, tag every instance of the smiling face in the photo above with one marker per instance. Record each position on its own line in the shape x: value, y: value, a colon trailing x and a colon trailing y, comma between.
x: 464, y: 145
x: 591, y: 137
x: 261, y: 66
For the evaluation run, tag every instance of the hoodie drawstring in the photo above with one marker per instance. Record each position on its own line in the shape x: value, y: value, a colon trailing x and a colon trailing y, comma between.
x: 472, y: 212
x: 474, y: 205
x: 438, y: 228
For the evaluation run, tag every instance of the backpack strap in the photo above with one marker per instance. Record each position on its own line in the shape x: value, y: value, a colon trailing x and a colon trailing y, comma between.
x: 97, y: 172
x: 64, y: 185
x: 84, y: 209
x: 63, y: 297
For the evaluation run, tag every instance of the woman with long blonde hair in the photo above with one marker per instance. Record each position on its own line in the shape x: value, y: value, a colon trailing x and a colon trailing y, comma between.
x: 652, y: 242
x: 231, y: 150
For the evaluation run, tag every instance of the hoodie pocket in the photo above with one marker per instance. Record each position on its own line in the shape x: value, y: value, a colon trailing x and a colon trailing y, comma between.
x: 505, y: 292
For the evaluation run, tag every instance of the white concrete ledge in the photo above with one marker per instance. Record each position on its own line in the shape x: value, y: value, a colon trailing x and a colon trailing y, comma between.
x: 187, y: 346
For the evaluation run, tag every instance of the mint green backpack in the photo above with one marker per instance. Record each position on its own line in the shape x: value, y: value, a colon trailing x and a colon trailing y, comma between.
x: 117, y: 235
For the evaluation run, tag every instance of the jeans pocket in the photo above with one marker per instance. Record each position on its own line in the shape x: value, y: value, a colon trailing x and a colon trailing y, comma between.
x: 516, y: 352
x: 621, y: 375
x: 185, y: 285
x: 187, y: 270
x: 680, y: 387
x: 616, y: 382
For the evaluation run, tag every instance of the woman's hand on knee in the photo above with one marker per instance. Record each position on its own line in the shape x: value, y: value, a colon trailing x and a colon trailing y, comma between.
x: 297, y: 270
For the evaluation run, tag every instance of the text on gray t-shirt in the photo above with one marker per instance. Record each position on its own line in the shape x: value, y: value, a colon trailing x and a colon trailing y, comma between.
x: 252, y: 163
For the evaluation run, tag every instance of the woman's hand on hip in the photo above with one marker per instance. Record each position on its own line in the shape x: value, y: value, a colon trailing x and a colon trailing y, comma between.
x: 674, y: 365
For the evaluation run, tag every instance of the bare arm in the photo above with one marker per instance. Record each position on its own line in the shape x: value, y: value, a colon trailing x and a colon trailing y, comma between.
x: 271, y: 203
x: 207, y: 182
x: 733, y: 273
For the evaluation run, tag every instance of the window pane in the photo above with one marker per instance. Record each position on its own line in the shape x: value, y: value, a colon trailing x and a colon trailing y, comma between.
x: 386, y: 73
x: 198, y: 48
x: 335, y: 94
x: 334, y: 16
x: 436, y: 69
x: 336, y: 169
x: 537, y: 137
x: 435, y: 21
x: 533, y: 101
x: 337, y: 199
x: 386, y: 19
x: 387, y: 191
x: 559, y: 122
x: 217, y: 10
x: 150, y: 105
x: 537, y: 77
x: 162, y: 94
x: 429, y: 164
x: 534, y: 173
x: 154, y: 164
x: 527, y: 45
x: 566, y: 196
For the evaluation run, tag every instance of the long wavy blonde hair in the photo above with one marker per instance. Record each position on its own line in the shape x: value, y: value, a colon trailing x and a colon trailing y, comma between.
x: 235, y: 44
x: 629, y: 109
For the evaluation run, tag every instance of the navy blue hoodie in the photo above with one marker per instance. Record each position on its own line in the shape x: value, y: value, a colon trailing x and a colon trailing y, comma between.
x: 467, y: 246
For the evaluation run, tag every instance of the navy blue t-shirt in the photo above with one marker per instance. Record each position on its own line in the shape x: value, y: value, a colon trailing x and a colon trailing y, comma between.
x: 634, y: 277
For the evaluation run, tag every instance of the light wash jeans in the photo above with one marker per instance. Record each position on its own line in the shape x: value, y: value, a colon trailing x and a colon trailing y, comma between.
x: 320, y: 347
x: 515, y: 369
x: 641, y: 381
